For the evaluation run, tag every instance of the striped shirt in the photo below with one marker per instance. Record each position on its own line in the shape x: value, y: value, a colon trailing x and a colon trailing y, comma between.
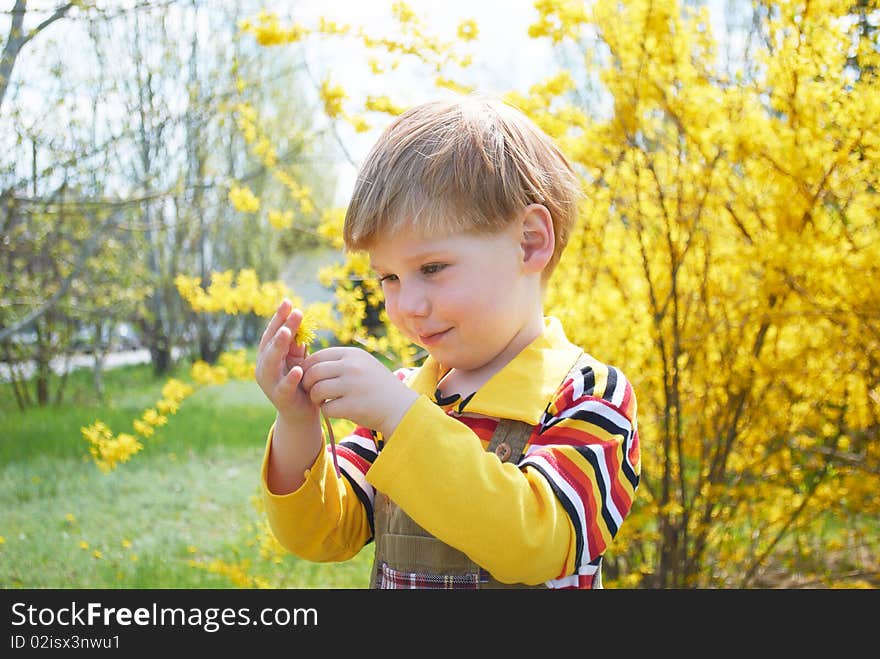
x: 549, y: 518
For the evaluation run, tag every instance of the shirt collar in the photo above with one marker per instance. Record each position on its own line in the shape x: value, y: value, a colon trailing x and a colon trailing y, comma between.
x: 522, y: 389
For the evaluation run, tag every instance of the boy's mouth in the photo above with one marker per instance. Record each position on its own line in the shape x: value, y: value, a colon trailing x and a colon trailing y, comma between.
x: 432, y: 337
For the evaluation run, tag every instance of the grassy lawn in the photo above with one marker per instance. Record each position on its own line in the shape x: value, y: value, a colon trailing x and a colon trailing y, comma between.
x: 182, y: 513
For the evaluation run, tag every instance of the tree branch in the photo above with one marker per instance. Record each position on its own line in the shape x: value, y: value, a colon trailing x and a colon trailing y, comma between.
x: 88, y: 249
x: 18, y: 38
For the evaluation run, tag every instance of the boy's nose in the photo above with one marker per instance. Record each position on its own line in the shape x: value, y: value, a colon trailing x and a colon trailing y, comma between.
x: 412, y: 301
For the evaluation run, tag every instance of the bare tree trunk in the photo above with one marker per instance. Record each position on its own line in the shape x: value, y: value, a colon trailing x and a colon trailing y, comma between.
x: 100, y: 356
x: 17, y: 38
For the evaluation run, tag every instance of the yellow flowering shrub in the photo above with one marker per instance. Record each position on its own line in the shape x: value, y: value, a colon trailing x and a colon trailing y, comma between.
x: 233, y: 293
x: 723, y: 257
x: 726, y: 222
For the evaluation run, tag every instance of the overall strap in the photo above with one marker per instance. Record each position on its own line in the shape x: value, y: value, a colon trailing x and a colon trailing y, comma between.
x: 509, y: 440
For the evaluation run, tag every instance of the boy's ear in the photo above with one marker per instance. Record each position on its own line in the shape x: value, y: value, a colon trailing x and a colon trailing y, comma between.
x: 538, y: 239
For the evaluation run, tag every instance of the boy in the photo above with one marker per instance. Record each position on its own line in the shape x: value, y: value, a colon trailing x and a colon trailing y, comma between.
x: 510, y: 457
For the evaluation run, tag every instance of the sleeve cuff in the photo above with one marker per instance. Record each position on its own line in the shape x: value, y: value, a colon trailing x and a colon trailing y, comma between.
x: 311, y: 475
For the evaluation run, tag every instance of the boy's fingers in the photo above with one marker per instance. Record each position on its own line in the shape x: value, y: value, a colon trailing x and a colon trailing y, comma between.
x: 315, y: 372
x: 323, y: 390
x: 281, y: 340
x: 294, y: 318
x: 324, y: 355
x: 288, y: 384
x: 274, y: 352
x: 280, y: 317
x: 270, y: 355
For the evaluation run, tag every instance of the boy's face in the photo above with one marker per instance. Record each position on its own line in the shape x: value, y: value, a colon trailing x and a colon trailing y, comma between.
x: 465, y: 298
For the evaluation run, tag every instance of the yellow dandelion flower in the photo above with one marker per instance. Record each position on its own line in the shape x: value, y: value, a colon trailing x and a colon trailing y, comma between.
x: 126, y: 543
x: 97, y: 554
x: 307, y: 330
x: 2, y: 540
x: 134, y: 558
x: 192, y: 549
x: 83, y: 544
x: 70, y: 518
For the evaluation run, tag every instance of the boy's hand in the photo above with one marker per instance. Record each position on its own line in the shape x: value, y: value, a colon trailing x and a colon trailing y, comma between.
x: 350, y: 383
x: 279, y: 366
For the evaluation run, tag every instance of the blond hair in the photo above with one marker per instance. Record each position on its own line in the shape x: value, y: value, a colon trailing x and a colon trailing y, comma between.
x: 465, y: 165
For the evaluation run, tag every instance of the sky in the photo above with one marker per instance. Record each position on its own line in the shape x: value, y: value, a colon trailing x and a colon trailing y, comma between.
x: 504, y: 57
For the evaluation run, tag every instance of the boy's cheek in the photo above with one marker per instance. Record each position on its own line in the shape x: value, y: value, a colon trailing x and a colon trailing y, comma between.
x: 393, y: 314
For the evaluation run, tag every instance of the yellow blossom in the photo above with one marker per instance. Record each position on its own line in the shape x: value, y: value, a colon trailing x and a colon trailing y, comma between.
x: 243, y: 200
x: 268, y: 31
x: 457, y: 87
x: 359, y: 123
x: 330, y: 228
x: 203, y: 373
x: 383, y: 104
x: 237, y: 365
x: 403, y: 12
x: 176, y: 390
x: 280, y: 219
x: 468, y: 30
x: 167, y: 406
x: 143, y: 429
x: 332, y: 97
x: 152, y: 417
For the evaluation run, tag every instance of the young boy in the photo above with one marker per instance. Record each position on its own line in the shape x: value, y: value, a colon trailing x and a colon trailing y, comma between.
x: 510, y: 457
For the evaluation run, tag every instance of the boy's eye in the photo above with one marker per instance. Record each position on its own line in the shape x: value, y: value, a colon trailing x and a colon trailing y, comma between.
x: 432, y: 268
x: 384, y: 278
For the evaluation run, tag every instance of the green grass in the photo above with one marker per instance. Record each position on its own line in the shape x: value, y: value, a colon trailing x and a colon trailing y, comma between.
x: 186, y: 500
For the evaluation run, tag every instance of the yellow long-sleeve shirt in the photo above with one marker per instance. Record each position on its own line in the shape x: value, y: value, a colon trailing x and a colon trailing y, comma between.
x: 548, y: 518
